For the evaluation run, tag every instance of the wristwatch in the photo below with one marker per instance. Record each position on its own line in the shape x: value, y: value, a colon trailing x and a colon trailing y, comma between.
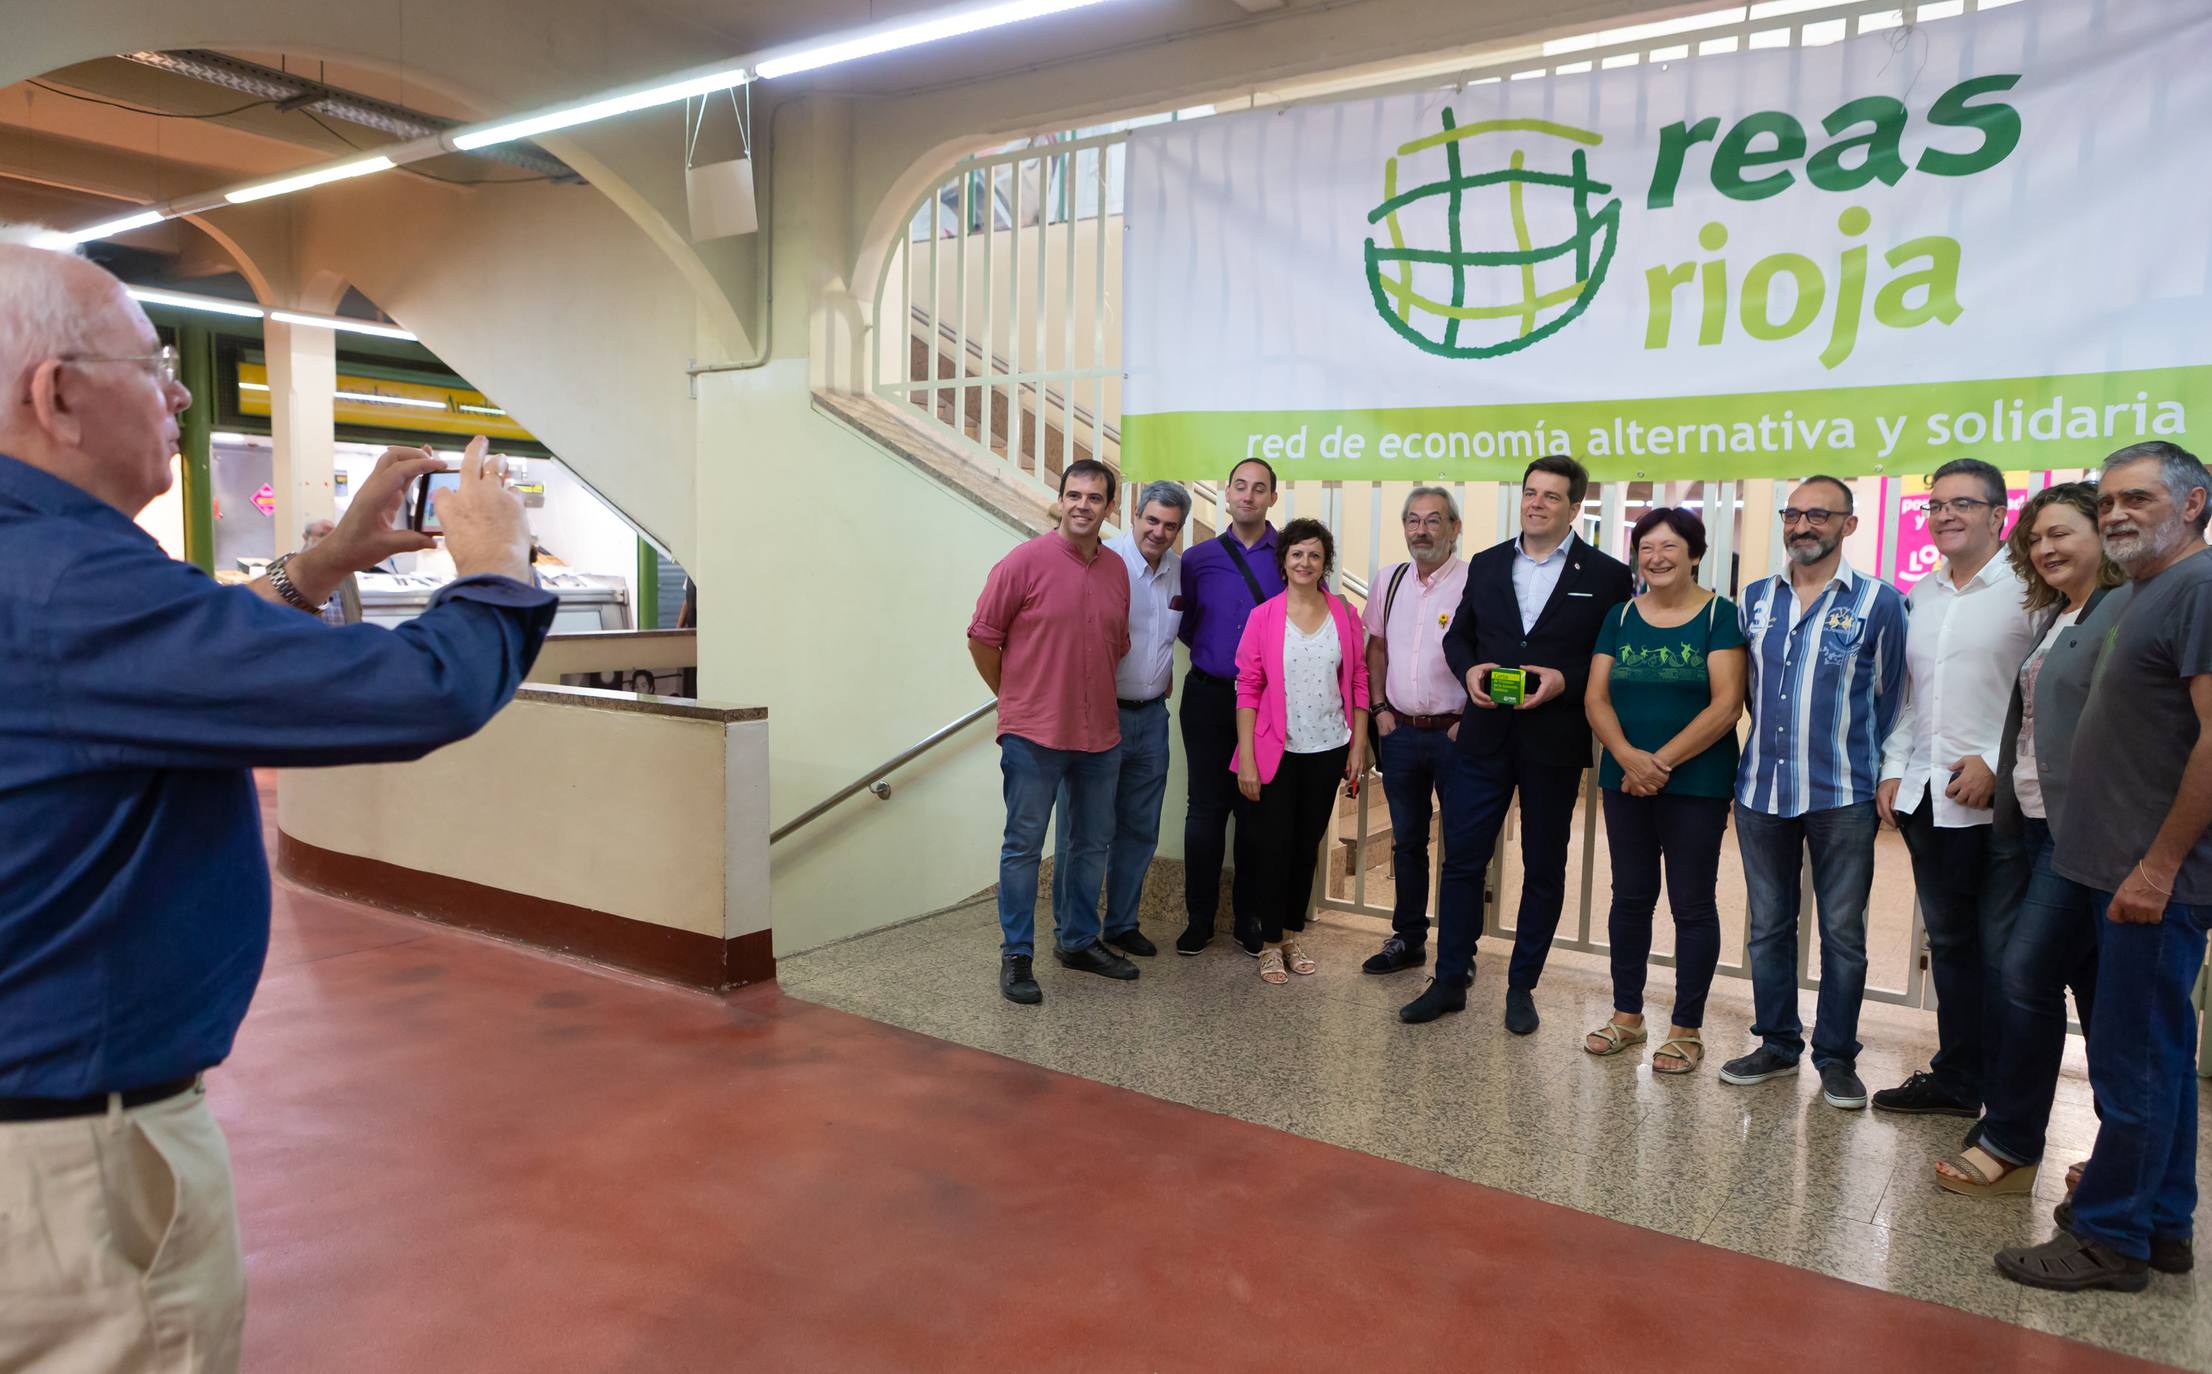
x: 285, y: 589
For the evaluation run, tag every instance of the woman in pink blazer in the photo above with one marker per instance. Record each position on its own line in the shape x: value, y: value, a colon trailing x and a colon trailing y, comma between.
x: 1301, y: 732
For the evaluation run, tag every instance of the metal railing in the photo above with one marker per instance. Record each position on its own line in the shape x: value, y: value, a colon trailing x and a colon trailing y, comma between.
x: 1013, y: 257
x: 873, y: 779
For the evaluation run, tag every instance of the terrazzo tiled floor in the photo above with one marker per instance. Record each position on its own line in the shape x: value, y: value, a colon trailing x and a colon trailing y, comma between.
x: 1769, y: 1171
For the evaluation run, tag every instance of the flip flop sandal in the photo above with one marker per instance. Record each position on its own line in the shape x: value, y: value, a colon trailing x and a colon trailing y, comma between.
x: 2070, y: 1264
x: 1617, y: 1037
x: 1295, y: 955
x: 2009, y: 1180
x: 1689, y: 1049
x: 1271, y: 967
x: 2073, y: 1175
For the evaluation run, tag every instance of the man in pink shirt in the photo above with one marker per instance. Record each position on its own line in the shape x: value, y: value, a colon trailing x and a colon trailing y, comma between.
x: 1418, y: 704
x: 1051, y: 624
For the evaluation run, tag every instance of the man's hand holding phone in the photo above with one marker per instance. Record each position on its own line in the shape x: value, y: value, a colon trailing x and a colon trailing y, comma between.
x: 370, y: 531
x: 486, y: 531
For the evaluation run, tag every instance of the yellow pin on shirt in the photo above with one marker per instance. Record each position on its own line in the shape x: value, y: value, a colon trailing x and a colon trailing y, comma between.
x: 1444, y: 620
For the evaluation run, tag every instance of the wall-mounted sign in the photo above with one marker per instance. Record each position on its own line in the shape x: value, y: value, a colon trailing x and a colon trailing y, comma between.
x: 264, y: 500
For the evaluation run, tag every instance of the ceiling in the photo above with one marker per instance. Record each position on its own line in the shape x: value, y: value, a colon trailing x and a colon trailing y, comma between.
x: 87, y: 141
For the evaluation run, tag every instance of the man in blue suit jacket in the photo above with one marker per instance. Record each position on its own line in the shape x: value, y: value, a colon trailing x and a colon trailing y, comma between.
x: 1535, y: 603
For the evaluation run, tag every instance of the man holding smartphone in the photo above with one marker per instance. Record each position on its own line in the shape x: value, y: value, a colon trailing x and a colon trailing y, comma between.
x: 1535, y: 604
x: 136, y: 694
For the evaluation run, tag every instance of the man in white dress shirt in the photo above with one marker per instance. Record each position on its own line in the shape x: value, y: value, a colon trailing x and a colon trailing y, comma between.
x: 1142, y: 681
x: 1968, y: 634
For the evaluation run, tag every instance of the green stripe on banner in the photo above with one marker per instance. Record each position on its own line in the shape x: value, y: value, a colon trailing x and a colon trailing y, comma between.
x: 2018, y: 423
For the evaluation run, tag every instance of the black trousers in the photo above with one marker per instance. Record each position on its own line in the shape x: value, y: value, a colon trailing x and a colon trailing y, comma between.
x: 1293, y: 817
x: 1208, y: 717
x: 1971, y: 882
x: 1474, y: 811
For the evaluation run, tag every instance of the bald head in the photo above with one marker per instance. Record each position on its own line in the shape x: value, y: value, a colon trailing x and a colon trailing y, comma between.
x: 83, y: 395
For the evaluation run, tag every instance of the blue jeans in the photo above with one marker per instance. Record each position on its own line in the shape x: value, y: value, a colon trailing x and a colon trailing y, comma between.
x: 2053, y: 947
x: 1842, y: 844
x: 1032, y: 776
x: 1138, y: 791
x: 2141, y: 1180
x: 1416, y: 766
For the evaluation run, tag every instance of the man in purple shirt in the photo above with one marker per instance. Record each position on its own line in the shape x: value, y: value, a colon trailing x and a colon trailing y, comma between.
x: 1223, y: 579
x: 1051, y: 624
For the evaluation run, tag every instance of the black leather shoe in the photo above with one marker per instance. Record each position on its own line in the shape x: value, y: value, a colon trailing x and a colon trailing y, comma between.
x: 1396, y: 956
x: 1194, y: 939
x: 1435, y: 1000
x: 1922, y: 1095
x: 1016, y: 983
x: 1520, y: 1011
x: 1099, y: 960
x: 2168, y: 1254
x: 1132, y: 941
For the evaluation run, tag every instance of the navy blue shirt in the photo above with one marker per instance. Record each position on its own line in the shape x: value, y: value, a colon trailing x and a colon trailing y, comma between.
x: 136, y: 693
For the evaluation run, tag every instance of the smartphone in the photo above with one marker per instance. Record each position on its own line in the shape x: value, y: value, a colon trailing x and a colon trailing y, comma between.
x: 422, y: 514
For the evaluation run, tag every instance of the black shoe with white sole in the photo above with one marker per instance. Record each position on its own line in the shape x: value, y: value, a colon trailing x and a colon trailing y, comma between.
x: 1840, y: 1087
x: 1757, y: 1067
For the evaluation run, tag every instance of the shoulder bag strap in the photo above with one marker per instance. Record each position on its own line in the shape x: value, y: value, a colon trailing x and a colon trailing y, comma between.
x: 1236, y: 553
x: 1390, y: 599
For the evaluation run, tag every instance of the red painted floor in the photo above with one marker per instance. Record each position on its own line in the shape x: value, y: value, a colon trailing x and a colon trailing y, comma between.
x: 457, y: 1156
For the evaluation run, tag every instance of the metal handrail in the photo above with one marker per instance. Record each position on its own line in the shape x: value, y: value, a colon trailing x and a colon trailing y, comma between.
x: 873, y: 779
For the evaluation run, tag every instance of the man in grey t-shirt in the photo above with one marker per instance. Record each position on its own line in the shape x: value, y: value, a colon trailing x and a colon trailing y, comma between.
x: 2138, y: 809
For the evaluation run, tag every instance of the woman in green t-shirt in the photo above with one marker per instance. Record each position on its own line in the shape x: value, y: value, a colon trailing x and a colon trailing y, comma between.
x: 1666, y: 687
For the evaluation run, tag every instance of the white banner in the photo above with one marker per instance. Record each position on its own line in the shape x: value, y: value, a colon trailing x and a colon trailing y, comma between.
x: 1986, y: 235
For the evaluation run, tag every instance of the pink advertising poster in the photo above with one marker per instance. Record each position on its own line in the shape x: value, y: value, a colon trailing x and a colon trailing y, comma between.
x: 1916, y: 552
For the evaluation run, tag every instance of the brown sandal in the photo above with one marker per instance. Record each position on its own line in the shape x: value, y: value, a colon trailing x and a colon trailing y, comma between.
x: 2010, y: 1179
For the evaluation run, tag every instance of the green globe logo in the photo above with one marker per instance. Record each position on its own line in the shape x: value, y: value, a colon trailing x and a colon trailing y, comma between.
x: 1460, y: 302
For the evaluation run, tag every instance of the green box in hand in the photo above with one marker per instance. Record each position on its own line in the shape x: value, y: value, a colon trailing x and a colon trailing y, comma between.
x: 1507, y: 685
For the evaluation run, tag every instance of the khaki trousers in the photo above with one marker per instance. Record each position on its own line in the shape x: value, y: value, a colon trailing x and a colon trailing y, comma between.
x: 119, y: 1244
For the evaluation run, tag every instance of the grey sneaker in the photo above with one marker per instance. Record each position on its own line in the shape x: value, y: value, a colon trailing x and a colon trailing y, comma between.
x: 1757, y: 1067
x: 1841, y: 1086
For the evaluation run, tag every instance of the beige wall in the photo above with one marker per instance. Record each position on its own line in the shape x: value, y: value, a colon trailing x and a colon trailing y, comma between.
x: 614, y: 811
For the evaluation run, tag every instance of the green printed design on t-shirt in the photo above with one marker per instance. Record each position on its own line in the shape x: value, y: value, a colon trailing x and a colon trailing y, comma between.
x: 1681, y: 662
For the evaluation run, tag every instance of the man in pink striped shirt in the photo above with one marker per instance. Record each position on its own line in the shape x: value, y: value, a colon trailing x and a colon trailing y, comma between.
x: 1051, y: 624
x: 1418, y: 702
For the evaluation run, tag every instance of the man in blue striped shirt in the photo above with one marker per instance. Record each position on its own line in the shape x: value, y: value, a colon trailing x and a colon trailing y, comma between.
x: 1827, y: 671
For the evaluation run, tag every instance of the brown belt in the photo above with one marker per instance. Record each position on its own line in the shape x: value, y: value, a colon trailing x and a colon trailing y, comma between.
x: 1430, y: 722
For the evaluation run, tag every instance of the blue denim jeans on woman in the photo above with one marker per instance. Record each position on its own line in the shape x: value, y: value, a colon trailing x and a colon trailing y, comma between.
x: 2141, y: 1180
x: 1031, y: 776
x: 1841, y: 841
x: 2053, y: 947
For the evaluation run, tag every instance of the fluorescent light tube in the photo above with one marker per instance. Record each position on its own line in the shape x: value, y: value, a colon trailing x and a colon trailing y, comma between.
x: 115, y: 226
x: 602, y: 109
x: 359, y: 167
x: 382, y: 331
x: 371, y: 398
x: 149, y: 296
x: 909, y: 35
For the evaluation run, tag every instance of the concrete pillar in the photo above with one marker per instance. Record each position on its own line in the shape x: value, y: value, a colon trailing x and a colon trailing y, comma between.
x: 303, y: 380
